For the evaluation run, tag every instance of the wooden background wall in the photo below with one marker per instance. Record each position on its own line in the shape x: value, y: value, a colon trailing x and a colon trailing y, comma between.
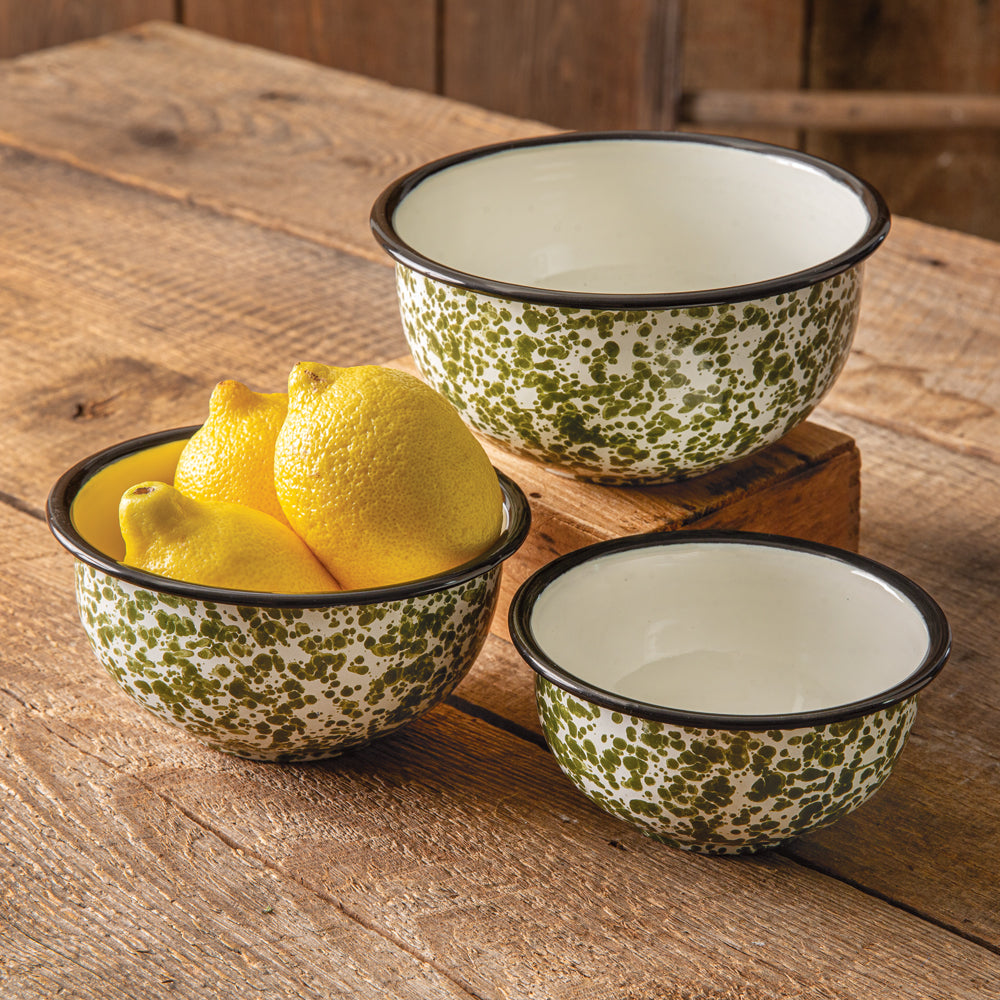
x: 638, y: 63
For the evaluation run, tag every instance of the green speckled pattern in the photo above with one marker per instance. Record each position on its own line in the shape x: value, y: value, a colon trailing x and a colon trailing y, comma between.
x: 716, y: 791
x: 285, y: 684
x: 631, y: 396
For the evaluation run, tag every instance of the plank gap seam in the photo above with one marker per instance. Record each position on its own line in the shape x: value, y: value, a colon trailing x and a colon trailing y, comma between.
x: 495, y: 719
x: 22, y: 506
x: 913, y: 911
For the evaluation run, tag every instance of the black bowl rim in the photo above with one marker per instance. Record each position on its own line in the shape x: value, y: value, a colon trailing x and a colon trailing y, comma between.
x: 383, y: 228
x: 524, y: 639
x: 68, y: 486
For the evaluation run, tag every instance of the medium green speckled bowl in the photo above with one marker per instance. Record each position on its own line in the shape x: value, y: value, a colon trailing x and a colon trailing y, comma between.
x: 724, y: 691
x: 276, y: 677
x: 630, y: 306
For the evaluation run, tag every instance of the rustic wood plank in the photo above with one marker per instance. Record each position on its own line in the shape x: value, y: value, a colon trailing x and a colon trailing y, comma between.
x: 135, y: 305
x: 473, y: 824
x: 926, y: 358
x: 727, y: 46
x: 439, y: 854
x: 217, y: 124
x: 170, y: 401
x: 939, y: 176
x: 392, y: 40
x: 25, y: 27
x: 934, y: 804
x: 490, y: 699
x: 169, y: 909
x: 741, y: 45
x: 841, y: 110
x: 615, y: 66
x: 931, y: 837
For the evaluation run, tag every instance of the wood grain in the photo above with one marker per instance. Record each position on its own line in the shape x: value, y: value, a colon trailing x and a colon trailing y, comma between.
x: 622, y: 63
x: 146, y: 302
x: 841, y: 110
x: 392, y: 40
x: 930, y: 839
x: 133, y: 107
x: 453, y: 859
x: 431, y: 864
x: 926, y: 358
x: 615, y: 66
x: 944, y: 177
x: 25, y: 27
x: 736, y: 44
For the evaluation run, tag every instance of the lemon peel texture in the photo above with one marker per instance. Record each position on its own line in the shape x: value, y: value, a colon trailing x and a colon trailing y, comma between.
x: 231, y: 456
x: 215, y: 543
x: 376, y: 471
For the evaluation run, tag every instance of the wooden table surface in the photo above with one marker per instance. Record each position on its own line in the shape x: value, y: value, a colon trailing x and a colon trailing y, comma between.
x: 177, y: 209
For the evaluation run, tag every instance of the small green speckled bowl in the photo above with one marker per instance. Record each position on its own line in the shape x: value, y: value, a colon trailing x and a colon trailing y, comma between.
x: 276, y: 677
x: 630, y: 306
x: 724, y: 691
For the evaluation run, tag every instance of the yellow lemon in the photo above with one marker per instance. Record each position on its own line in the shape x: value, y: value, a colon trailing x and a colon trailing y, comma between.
x: 95, y: 509
x: 231, y: 456
x: 216, y: 544
x: 377, y: 472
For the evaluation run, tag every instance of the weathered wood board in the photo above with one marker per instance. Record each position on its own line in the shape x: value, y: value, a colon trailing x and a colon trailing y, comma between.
x: 156, y: 238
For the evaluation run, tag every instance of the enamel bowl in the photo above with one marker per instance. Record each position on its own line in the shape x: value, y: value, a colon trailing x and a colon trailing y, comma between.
x: 723, y: 692
x: 275, y: 677
x: 630, y: 306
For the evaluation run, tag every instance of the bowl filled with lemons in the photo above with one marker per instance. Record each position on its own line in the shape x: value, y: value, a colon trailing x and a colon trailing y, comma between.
x: 305, y: 572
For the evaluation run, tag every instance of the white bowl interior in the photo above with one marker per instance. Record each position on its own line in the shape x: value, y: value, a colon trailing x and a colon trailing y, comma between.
x: 631, y: 216
x: 730, y: 628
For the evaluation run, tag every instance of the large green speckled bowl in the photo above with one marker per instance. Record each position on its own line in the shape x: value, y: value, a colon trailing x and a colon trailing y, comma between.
x: 274, y: 677
x: 785, y: 673
x: 630, y: 307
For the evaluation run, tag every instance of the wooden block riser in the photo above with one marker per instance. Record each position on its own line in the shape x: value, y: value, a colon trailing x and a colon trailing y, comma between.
x: 807, y: 485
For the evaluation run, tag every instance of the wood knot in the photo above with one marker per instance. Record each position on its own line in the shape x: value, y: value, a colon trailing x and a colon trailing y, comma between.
x: 94, y: 409
x: 153, y: 137
x: 280, y: 95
